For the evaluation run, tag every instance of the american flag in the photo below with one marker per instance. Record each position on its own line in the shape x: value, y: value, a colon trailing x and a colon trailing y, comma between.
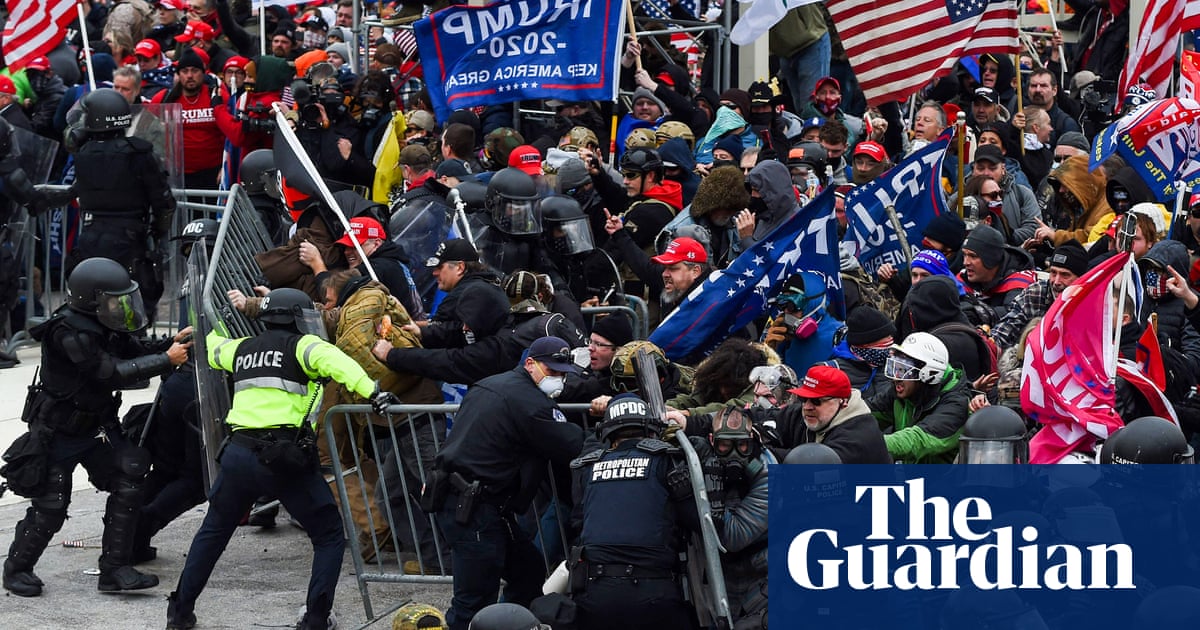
x: 1152, y: 56
x: 1191, y: 16
x: 897, y: 46
x: 661, y: 9
x: 34, y: 27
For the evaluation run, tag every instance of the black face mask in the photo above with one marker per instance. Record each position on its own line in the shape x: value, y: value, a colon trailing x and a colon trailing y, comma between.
x: 720, y: 163
x: 761, y: 119
x: 758, y: 206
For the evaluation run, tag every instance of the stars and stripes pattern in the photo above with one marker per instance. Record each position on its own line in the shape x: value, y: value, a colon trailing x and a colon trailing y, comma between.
x: 1191, y: 15
x: 34, y: 27
x: 897, y: 46
x: 1151, y: 57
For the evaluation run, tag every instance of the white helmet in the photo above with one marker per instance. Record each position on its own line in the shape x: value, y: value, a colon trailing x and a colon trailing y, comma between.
x: 921, y: 357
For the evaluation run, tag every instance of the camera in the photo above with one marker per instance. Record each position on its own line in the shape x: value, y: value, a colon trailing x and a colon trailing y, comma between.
x: 1096, y: 98
x: 306, y: 101
x: 257, y: 118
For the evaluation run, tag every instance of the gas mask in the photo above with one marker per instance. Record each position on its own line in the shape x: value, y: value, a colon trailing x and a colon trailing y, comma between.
x: 802, y: 327
x: 737, y: 445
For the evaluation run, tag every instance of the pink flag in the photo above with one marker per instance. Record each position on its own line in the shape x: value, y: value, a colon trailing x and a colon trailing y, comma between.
x: 1067, y: 383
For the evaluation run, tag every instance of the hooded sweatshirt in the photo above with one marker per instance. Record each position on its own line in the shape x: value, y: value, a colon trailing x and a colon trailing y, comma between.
x: 676, y: 152
x: 773, y: 182
x: 1088, y: 188
x: 932, y: 303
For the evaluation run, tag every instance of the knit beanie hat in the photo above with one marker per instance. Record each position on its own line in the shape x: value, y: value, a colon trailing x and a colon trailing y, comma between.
x: 866, y: 325
x: 615, y: 328
x: 947, y: 229
x: 1070, y: 256
x: 988, y: 243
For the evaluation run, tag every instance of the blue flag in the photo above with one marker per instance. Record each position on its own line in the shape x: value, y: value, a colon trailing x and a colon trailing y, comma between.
x: 735, y: 296
x: 520, y: 49
x: 914, y: 188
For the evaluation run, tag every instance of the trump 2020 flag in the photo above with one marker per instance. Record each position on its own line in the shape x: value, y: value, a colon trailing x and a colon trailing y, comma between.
x: 520, y: 49
x: 732, y: 297
x: 913, y: 187
x: 1067, y: 382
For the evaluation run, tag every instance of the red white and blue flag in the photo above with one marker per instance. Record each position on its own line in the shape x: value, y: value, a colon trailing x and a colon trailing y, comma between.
x: 34, y: 27
x: 896, y: 47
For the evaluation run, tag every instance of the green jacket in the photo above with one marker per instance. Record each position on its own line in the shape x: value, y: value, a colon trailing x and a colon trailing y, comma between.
x: 925, y: 429
x: 263, y: 407
x: 800, y: 28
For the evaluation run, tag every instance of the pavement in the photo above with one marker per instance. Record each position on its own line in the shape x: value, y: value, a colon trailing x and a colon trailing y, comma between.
x: 259, y: 582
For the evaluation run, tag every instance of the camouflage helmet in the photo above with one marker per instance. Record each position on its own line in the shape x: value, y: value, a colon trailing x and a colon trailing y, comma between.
x: 498, y: 143
x: 640, y: 138
x: 414, y: 616
x: 580, y: 137
x: 623, y: 366
x: 675, y: 129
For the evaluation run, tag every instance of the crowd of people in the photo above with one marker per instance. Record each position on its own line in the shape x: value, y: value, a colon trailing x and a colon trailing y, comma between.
x: 489, y: 249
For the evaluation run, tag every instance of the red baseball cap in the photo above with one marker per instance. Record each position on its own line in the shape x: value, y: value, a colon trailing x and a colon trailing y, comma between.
x: 1195, y: 200
x: 682, y: 249
x: 526, y: 158
x: 824, y: 80
x: 873, y: 150
x: 177, y: 5
x: 821, y: 381
x: 236, y: 62
x: 38, y: 63
x: 6, y: 85
x: 362, y: 229
x: 147, y: 48
x: 197, y: 30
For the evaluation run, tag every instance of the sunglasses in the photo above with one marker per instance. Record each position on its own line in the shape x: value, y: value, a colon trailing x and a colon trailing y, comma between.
x: 630, y: 174
x: 993, y: 195
x: 729, y: 105
x: 816, y: 402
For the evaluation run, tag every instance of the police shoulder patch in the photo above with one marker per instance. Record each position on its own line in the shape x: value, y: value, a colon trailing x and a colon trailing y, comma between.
x: 559, y: 416
x: 652, y: 445
x: 587, y: 458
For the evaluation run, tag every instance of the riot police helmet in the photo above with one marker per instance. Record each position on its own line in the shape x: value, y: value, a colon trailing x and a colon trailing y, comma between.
x: 102, y: 287
x: 197, y: 230
x: 106, y: 110
x: 512, y: 201
x: 1148, y: 440
x: 568, y: 231
x: 627, y: 411
x: 812, y: 453
x: 993, y: 435
x: 290, y: 309
x: 505, y: 616
x: 260, y: 175
x: 641, y: 160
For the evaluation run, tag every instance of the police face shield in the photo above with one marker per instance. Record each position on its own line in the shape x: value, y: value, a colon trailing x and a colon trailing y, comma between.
x: 992, y: 451
x: 309, y: 322
x: 902, y: 368
x: 123, y: 311
x: 572, y: 237
x: 518, y: 217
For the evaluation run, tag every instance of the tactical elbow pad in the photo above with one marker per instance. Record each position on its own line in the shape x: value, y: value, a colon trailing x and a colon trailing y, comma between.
x: 138, y: 368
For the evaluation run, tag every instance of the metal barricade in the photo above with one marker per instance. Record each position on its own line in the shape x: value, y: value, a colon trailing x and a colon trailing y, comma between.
x: 379, y: 469
x: 636, y: 315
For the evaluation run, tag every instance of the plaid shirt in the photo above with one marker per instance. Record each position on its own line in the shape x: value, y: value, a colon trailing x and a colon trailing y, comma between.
x: 1032, y: 302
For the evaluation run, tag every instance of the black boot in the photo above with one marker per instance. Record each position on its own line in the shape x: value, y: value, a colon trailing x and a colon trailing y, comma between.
x: 125, y: 578
x: 20, y: 582
x: 264, y: 518
x: 177, y: 617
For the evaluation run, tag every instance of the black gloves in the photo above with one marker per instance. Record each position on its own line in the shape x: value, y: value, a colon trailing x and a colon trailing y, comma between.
x: 381, y: 400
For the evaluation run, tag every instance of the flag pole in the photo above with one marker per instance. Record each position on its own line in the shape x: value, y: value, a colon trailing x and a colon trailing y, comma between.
x: 960, y: 130
x: 637, y: 61
x: 1020, y: 101
x: 1062, y: 56
x: 1181, y: 191
x: 262, y: 28
x: 284, y: 128
x: 87, y: 47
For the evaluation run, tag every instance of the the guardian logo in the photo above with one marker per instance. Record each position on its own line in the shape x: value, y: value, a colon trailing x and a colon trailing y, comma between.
x: 948, y: 546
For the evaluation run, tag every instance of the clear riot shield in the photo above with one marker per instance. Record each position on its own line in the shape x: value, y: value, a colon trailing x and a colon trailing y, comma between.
x: 35, y: 155
x: 419, y: 228
x: 161, y: 124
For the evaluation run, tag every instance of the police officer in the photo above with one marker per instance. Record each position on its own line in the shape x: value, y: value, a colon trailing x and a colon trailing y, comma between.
x: 260, y: 180
x: 88, y: 351
x: 633, y: 497
x: 993, y: 435
x: 272, y: 449
x: 506, y: 429
x: 514, y: 216
x: 1148, y: 440
x: 124, y: 197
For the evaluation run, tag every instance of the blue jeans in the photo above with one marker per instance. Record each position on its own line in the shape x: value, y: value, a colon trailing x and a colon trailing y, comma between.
x: 489, y: 547
x: 306, y: 497
x: 801, y: 70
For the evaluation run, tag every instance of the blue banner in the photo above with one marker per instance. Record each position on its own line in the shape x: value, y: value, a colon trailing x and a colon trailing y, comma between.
x: 735, y: 296
x: 520, y: 49
x: 914, y: 188
x: 983, y: 546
